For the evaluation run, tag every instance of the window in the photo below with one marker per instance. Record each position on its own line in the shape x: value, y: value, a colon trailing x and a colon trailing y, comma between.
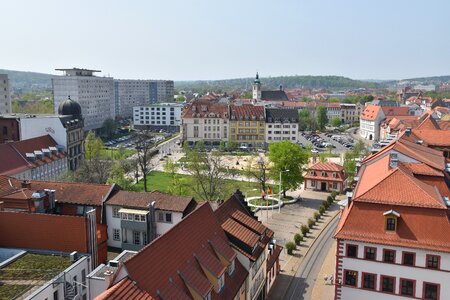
x: 116, y: 234
x: 350, y: 277
x: 387, y: 284
x: 137, y: 218
x: 313, y: 183
x: 142, y: 218
x: 312, y: 173
x: 231, y: 268
x: 165, y: 217
x: 221, y: 282
x: 407, y: 287
x: 144, y: 238
x: 370, y: 253
x: 391, y: 224
x: 75, y: 284
x: 389, y: 256
x: 136, y: 237
x: 324, y: 174
x: 408, y: 258
x: 55, y: 295
x: 433, y: 261
x: 352, y: 251
x: 335, y: 185
x: 369, y: 281
x: 334, y: 174
x: 430, y: 291
x: 83, y: 279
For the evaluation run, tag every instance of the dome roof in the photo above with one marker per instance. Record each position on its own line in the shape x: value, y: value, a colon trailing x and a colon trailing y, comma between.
x: 69, y: 107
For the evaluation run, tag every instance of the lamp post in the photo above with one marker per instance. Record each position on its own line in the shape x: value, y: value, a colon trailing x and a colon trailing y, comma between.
x: 279, y: 192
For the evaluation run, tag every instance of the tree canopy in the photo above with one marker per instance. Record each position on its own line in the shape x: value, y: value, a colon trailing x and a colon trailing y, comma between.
x: 322, y: 118
x: 288, y: 156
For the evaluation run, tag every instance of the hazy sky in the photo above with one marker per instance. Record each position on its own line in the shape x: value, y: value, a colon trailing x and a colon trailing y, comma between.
x: 215, y: 39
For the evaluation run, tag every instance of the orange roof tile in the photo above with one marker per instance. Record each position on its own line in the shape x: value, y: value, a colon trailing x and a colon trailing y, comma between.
x: 124, y: 289
x: 327, y: 166
x: 416, y: 227
x: 370, y: 113
x: 240, y: 233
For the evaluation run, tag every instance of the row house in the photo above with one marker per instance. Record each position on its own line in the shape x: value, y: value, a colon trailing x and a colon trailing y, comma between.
x: 206, y: 121
x: 135, y: 219
x: 325, y: 177
x: 281, y: 124
x: 222, y: 254
x: 247, y: 125
x: 390, y: 241
x: 350, y: 112
x: 36, y: 158
x: 373, y: 115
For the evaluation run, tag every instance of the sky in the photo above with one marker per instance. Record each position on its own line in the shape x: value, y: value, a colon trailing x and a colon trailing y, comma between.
x: 220, y: 39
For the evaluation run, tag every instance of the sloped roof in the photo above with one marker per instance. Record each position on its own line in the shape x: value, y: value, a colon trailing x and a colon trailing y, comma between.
x: 370, y: 113
x: 142, y: 200
x: 277, y: 95
x: 206, y: 109
x: 247, y: 112
x: 326, y: 166
x: 282, y: 115
x: 433, y: 137
x: 395, y: 110
x: 124, y: 289
x: 168, y: 264
x: 12, y: 162
x: 424, y: 228
x: 75, y: 193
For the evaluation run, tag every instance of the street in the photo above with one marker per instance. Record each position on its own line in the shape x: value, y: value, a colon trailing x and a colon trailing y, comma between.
x: 302, y: 285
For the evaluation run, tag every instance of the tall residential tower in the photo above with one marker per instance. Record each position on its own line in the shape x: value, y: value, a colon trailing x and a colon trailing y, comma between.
x: 5, y: 96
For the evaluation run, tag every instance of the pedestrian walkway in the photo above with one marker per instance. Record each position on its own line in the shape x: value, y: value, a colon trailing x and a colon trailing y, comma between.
x: 290, y: 263
x: 324, y: 290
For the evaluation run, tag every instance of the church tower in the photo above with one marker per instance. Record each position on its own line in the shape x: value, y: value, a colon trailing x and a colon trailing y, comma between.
x: 256, y: 88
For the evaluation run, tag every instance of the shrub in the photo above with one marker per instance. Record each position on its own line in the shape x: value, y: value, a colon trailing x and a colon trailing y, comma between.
x: 311, y: 223
x: 333, y: 195
x: 304, y: 229
x: 322, y: 209
x: 325, y: 203
x: 290, y: 246
x: 297, y: 238
x: 316, y: 216
x: 330, y: 200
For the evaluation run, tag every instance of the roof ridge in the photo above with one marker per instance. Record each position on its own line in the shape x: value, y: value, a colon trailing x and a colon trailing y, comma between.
x: 70, y: 182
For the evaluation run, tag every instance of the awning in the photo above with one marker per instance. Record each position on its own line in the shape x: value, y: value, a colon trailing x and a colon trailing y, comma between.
x: 133, y: 211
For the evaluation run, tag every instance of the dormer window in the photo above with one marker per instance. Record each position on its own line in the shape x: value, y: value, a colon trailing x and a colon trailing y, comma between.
x: 312, y: 173
x: 231, y: 268
x: 334, y: 174
x: 221, y: 282
x: 324, y: 173
x: 391, y: 217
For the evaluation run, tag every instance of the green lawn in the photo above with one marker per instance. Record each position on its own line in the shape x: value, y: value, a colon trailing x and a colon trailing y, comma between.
x: 162, y: 182
x: 116, y: 153
x: 35, y: 266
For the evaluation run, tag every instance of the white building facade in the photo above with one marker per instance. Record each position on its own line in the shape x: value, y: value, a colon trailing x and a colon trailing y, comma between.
x: 165, y: 116
x: 94, y: 94
x: 5, y: 95
x: 281, y: 124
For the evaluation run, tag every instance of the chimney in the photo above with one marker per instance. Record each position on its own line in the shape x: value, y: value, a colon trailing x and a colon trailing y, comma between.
x: 73, y: 256
x: 349, y: 198
x: 281, y: 87
x: 393, y: 160
x: 108, y: 277
x: 408, y: 131
x: 26, y: 184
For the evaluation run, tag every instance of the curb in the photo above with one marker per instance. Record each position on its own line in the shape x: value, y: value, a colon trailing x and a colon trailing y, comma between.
x: 307, y: 251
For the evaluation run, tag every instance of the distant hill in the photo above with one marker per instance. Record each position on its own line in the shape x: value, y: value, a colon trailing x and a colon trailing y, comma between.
x: 28, y: 80
x: 327, y: 82
x: 431, y: 80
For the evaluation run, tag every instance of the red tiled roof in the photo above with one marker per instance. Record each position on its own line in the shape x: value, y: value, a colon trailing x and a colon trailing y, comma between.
x: 416, y: 228
x: 206, y: 109
x: 124, y: 289
x: 370, y: 113
x: 75, y: 193
x: 433, y: 137
x: 326, y: 166
x: 168, y: 264
x: 395, y: 110
x: 143, y: 200
x: 12, y: 162
x: 247, y: 112
x: 421, y: 169
x: 240, y: 232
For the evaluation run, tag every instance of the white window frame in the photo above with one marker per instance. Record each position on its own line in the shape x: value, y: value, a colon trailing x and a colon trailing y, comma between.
x: 115, y: 212
x: 116, y: 234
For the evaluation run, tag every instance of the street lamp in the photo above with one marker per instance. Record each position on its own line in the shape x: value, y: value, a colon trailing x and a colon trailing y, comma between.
x: 279, y: 192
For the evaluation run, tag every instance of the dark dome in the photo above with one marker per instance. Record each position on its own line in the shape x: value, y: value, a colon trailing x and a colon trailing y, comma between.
x: 69, y: 107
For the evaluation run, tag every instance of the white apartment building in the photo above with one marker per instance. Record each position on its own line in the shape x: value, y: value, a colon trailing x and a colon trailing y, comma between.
x: 369, y: 123
x: 392, y: 239
x: 5, y: 95
x: 165, y: 116
x: 206, y: 121
x: 281, y: 124
x: 94, y: 94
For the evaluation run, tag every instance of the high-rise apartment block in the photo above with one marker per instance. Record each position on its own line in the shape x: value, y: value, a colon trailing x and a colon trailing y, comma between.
x: 5, y: 96
x: 132, y: 93
x: 94, y: 94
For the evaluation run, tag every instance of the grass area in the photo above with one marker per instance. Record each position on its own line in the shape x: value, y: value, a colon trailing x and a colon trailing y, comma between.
x: 35, y: 266
x: 116, y: 153
x: 12, y: 291
x: 162, y: 182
